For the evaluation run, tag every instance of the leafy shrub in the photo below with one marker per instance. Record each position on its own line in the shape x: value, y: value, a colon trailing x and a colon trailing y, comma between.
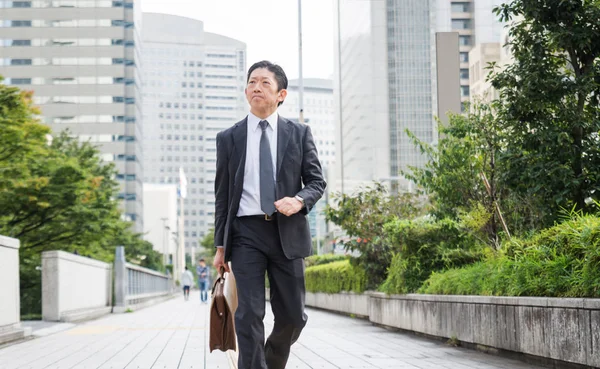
x: 561, y: 261
x: 362, y: 216
x: 335, y: 277
x: 323, y: 259
x: 425, y: 246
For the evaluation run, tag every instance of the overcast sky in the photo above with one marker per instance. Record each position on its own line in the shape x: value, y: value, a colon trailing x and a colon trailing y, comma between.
x: 268, y: 27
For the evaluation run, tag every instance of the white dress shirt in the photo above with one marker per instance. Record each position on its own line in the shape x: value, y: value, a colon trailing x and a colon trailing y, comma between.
x: 250, y: 201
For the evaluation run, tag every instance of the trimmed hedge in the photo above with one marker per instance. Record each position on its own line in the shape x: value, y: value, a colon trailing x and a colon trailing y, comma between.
x: 562, y: 261
x: 335, y: 277
x: 323, y: 259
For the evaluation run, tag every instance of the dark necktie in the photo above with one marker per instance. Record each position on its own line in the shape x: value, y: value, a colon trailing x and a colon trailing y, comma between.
x: 267, y: 183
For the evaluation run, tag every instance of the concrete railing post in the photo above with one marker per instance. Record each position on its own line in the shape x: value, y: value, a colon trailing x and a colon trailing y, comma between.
x: 10, y: 300
x: 50, y: 286
x: 121, y: 282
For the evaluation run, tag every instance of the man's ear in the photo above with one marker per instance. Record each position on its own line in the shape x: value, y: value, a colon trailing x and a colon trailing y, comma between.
x: 282, y: 95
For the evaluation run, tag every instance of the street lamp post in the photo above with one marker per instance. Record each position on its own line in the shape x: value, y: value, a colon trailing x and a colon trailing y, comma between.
x: 166, y: 229
x: 300, y: 78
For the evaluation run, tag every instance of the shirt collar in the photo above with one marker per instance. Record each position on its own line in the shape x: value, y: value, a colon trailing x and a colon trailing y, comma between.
x: 253, y: 121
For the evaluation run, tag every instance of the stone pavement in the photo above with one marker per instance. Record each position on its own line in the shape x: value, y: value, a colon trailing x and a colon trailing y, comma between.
x: 173, y: 334
x: 334, y: 341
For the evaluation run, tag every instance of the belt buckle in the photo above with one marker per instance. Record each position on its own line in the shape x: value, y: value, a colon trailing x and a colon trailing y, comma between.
x: 268, y: 218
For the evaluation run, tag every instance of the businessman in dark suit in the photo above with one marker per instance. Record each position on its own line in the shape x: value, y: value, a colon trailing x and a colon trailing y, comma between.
x: 268, y: 178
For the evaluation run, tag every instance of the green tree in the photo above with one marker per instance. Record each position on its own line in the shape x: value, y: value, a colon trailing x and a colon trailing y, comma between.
x: 208, y: 243
x: 463, y: 177
x: 549, y: 102
x: 57, y: 197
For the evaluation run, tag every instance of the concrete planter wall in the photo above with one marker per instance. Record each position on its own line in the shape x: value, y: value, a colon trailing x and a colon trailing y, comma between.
x: 10, y: 300
x: 74, y: 287
x: 343, y: 302
x: 560, y: 329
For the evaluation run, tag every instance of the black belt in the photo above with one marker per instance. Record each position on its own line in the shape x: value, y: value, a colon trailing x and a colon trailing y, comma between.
x: 265, y: 217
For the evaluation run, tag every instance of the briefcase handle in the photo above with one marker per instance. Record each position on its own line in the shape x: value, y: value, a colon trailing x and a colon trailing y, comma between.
x: 219, y: 280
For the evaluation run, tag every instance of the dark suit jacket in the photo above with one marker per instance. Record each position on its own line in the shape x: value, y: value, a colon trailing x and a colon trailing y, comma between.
x: 297, y: 164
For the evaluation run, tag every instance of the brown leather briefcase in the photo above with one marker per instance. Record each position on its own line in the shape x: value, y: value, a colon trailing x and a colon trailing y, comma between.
x: 222, y: 309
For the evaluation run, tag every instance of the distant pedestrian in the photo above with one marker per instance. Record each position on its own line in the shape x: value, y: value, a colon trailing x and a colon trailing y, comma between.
x: 203, y: 279
x: 187, y: 279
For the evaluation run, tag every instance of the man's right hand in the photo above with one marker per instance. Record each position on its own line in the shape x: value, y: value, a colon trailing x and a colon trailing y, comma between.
x: 219, y: 260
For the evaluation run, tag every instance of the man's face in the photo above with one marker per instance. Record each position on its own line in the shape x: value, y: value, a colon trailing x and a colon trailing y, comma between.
x: 261, y: 91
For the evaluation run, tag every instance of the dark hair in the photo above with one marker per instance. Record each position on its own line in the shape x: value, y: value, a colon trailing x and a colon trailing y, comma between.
x: 280, y: 77
x: 185, y: 268
x: 201, y: 260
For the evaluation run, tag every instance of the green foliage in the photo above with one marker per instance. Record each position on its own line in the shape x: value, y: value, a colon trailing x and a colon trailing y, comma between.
x: 335, y: 277
x: 561, y: 261
x: 362, y: 217
x: 454, y: 176
x: 323, y: 259
x: 425, y: 246
x: 549, y: 103
x: 208, y: 243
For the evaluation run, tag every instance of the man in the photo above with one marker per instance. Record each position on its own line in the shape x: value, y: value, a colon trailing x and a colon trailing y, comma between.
x: 202, y: 273
x: 187, y: 280
x: 260, y: 217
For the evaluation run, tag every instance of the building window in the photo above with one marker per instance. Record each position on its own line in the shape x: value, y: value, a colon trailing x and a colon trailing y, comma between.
x: 464, y: 40
x: 464, y: 74
x: 461, y: 24
x: 461, y: 7
x: 464, y: 57
x: 464, y: 91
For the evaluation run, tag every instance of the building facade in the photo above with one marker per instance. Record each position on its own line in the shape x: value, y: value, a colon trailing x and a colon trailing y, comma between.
x: 81, y: 59
x: 361, y: 94
x: 386, y: 80
x: 476, y: 23
x: 385, y: 60
x: 160, y: 218
x: 193, y: 88
x: 479, y: 59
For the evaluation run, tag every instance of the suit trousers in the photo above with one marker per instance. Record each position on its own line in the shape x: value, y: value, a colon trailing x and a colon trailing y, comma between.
x: 256, y: 250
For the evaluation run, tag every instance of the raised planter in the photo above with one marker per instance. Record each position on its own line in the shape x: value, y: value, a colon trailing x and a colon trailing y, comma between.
x: 556, y: 329
x: 343, y: 302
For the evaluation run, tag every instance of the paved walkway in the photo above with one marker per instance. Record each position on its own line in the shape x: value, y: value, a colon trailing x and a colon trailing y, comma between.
x: 174, y: 335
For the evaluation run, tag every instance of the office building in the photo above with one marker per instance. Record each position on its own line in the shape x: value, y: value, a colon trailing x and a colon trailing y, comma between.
x: 394, y: 78
x: 81, y: 60
x: 193, y: 88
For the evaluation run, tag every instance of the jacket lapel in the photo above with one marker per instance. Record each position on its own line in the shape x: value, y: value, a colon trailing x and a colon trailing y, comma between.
x: 283, y: 138
x: 239, y: 150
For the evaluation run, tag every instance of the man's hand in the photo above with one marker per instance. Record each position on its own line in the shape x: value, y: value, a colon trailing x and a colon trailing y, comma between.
x: 219, y: 260
x: 288, y: 206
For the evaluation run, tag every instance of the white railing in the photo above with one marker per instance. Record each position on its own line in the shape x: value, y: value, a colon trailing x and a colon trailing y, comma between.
x: 144, y: 283
x: 135, y: 285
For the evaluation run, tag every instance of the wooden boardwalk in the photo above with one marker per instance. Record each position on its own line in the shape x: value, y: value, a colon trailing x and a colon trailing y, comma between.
x: 173, y: 335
